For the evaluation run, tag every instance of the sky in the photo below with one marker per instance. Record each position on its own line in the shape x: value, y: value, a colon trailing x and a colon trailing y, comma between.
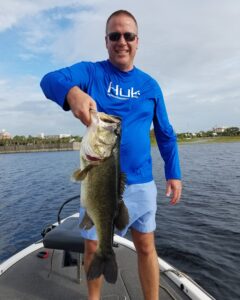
x: 192, y: 48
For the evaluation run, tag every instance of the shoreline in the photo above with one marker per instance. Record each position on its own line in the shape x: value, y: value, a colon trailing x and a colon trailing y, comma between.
x: 203, y: 140
x: 210, y: 140
x: 11, y: 149
x: 76, y: 145
x: 36, y: 151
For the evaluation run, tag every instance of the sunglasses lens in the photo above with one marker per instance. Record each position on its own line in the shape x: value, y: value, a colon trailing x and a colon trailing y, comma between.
x: 128, y: 36
x: 114, y: 36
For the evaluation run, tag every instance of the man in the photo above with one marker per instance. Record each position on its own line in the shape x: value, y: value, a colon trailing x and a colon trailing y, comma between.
x: 117, y: 87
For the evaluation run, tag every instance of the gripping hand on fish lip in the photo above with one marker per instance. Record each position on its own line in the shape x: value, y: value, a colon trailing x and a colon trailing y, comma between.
x: 81, y: 104
x: 105, y: 121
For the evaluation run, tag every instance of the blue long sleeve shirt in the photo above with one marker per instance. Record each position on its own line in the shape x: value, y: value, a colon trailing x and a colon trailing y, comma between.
x: 135, y: 97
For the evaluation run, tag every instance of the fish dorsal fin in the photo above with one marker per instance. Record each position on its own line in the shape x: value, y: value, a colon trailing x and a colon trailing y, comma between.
x: 80, y: 175
x: 122, y: 182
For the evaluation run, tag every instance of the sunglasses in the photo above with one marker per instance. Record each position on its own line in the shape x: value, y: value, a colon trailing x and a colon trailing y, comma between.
x: 128, y: 36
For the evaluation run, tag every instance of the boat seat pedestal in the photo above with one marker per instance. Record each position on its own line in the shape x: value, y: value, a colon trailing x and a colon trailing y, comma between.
x: 66, y: 236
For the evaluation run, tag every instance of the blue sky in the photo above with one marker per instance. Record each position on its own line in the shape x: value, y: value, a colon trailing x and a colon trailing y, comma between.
x: 190, y: 47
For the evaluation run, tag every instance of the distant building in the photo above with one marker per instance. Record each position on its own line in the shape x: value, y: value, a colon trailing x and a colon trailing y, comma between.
x: 4, y: 135
x: 52, y: 136
x: 64, y: 135
x: 219, y: 129
x: 41, y: 135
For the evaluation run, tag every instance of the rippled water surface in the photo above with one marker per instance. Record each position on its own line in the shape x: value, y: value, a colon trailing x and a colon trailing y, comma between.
x: 200, y: 236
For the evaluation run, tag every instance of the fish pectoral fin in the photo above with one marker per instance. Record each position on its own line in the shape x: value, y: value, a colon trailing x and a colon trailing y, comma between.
x: 87, y: 222
x: 122, y: 217
x: 80, y: 175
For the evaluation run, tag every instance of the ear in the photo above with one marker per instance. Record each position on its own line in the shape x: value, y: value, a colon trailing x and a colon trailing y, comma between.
x: 137, y: 42
x: 106, y: 41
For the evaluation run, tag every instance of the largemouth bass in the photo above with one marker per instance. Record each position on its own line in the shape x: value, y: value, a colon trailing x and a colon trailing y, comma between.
x: 101, y: 190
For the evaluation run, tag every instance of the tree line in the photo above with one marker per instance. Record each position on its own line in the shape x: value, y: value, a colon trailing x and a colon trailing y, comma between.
x: 31, y: 140
x: 231, y: 131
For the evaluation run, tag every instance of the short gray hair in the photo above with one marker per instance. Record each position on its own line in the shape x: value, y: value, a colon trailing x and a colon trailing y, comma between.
x: 121, y: 12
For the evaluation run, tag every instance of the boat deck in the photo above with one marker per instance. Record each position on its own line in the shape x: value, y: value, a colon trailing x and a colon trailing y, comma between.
x: 29, y: 279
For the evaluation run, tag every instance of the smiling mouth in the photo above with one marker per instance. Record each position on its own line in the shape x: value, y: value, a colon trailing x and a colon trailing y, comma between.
x: 122, y: 51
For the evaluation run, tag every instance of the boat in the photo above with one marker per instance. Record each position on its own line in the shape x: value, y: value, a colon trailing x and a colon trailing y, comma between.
x: 52, y: 268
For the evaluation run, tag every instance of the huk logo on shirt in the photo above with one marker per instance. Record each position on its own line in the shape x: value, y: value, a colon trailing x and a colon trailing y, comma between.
x: 118, y: 92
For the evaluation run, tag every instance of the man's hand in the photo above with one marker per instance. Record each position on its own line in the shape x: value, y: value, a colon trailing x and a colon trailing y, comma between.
x: 174, y: 188
x: 80, y: 104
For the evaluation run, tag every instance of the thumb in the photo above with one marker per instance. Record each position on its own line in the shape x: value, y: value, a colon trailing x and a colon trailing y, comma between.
x: 93, y: 105
x: 168, y: 190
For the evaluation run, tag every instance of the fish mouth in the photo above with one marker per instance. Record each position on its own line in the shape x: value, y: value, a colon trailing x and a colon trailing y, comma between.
x: 110, y: 119
x: 92, y: 158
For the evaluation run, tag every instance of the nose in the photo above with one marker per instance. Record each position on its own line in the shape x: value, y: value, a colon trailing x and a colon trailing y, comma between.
x: 122, y: 39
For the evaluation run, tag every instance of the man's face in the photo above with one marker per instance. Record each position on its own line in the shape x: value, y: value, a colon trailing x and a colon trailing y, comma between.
x: 121, y: 52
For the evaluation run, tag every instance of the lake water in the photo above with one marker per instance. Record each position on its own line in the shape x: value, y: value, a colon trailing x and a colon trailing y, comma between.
x: 200, y: 236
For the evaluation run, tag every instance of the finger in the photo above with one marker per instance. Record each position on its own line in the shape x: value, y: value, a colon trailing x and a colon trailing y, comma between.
x: 83, y: 116
x: 93, y: 105
x: 86, y: 115
x: 176, y: 196
x: 85, y: 120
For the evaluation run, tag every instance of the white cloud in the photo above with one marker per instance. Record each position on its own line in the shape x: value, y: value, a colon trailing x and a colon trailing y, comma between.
x: 190, y: 47
x: 24, y: 110
x: 14, y: 11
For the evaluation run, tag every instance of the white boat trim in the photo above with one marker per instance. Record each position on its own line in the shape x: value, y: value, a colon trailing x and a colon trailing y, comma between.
x: 188, y: 286
x: 18, y: 256
x: 184, y: 282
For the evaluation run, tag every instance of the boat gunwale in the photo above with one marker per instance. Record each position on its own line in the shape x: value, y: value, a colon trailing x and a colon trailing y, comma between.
x: 183, y: 281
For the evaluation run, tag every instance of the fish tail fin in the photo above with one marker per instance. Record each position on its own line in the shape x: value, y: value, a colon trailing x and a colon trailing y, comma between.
x: 103, y: 265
